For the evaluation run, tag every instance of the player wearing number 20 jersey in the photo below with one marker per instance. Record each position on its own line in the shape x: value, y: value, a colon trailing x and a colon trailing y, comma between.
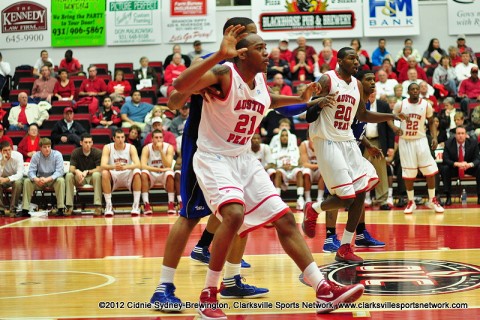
x: 340, y: 161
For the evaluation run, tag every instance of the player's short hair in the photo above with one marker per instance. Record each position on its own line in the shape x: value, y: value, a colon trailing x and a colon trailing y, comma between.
x: 362, y: 73
x: 342, y: 53
x: 243, y: 21
x: 412, y: 84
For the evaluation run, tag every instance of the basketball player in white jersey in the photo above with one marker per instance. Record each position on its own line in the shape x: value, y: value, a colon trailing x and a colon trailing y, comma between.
x: 311, y: 174
x: 263, y: 153
x: 234, y: 183
x: 156, y: 160
x: 120, y: 169
x: 347, y: 174
x: 414, y: 149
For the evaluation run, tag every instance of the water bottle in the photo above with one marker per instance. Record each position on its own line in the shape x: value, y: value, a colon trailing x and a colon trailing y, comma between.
x: 464, y: 197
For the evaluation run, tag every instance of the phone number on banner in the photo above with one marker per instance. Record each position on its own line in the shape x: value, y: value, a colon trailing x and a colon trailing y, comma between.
x: 29, y: 37
x: 77, y: 30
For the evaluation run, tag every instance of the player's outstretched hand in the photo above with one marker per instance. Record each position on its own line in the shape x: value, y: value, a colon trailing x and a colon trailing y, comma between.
x: 402, y: 117
x: 434, y: 143
x: 231, y: 37
x: 398, y: 131
x: 374, y: 152
x: 312, y: 89
x: 209, y: 93
x: 326, y: 102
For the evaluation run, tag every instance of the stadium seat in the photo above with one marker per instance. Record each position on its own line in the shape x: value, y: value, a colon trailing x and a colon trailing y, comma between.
x: 13, y: 97
x: 126, y: 67
x: 26, y: 83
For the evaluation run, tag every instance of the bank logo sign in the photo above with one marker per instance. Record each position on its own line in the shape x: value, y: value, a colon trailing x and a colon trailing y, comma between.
x: 391, y: 17
x: 406, y: 277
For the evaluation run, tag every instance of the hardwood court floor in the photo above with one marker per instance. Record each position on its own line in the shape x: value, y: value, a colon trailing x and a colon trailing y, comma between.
x: 62, y: 268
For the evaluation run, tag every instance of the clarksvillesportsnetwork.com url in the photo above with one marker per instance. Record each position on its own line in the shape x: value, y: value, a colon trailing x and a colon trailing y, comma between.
x: 404, y: 305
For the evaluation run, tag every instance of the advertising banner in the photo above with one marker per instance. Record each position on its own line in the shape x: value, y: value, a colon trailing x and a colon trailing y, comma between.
x: 463, y: 17
x: 384, y: 18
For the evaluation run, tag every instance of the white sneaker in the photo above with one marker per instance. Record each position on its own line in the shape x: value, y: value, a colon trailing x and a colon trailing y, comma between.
x: 390, y: 201
x: 435, y: 205
x: 108, y: 211
x: 135, y: 211
x: 368, y: 202
x: 300, y: 203
x: 410, y: 207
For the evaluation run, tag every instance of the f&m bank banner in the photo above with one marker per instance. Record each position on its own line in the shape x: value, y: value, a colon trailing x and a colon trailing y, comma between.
x: 390, y: 18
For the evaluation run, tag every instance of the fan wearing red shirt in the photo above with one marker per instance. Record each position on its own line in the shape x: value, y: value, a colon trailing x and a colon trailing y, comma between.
x: 70, y: 64
x: 91, y: 89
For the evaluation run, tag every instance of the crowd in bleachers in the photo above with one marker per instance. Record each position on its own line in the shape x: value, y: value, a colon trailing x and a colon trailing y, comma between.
x: 63, y: 101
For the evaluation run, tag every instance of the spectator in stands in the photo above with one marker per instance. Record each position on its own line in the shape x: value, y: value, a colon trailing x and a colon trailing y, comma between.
x: 64, y: 89
x: 134, y: 111
x: 30, y: 144
x: 11, y: 175
x: 84, y: 169
x: 328, y: 42
x: 469, y: 90
x: 301, y: 67
x: 91, y: 90
x: 276, y: 65
x: 177, y: 49
x: 25, y: 113
x: 310, y: 53
x: 459, y: 119
x: 384, y: 87
x: 67, y: 131
x: 146, y: 72
x: 311, y: 174
x: 431, y: 57
x: 284, y: 123
x: 413, y: 78
x: 197, y: 50
x: 387, y: 66
x: 120, y: 168
x: 279, y: 86
x: 4, y: 137
x: 424, y: 94
x: 454, y: 56
x: 462, y: 47
x: 3, y: 113
x: 167, y: 135
x: 71, y: 64
x: 411, y: 64
x: 178, y: 123
x: 157, y: 111
x: 381, y: 53
x: 43, y: 87
x: 271, y: 124
x: 157, y: 158
x: 398, y: 92
x: 402, y: 62
x: 108, y: 116
x: 4, y: 72
x: 172, y: 71
x: 463, y: 68
x: 134, y: 138
x: 444, y: 78
x: 447, y: 119
x: 119, y: 88
x: 460, y: 157
x: 286, y: 155
x: 41, y: 62
x: 285, y: 53
x: 363, y: 56
x: 327, y: 57
x: 409, y: 43
x: 263, y: 153
x: 46, y: 170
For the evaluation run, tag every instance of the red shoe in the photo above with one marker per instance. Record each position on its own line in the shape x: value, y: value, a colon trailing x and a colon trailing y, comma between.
x: 147, y: 208
x: 171, y: 208
x: 330, y: 295
x: 208, y: 308
x: 309, y: 220
x: 345, y: 254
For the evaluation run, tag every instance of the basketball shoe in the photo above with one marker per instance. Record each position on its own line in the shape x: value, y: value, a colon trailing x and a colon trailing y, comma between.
x: 365, y: 240
x: 164, y: 298
x: 345, y: 254
x: 208, y: 308
x: 309, y: 223
x: 331, y: 244
x: 233, y: 288
x: 330, y: 295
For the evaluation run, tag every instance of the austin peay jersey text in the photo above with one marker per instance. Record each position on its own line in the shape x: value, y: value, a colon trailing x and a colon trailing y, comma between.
x: 120, y: 156
x: 227, y: 125
x: 334, y: 123
x: 418, y: 113
x: 154, y: 157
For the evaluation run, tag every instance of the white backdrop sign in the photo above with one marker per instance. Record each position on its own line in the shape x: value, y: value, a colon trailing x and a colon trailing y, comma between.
x: 391, y: 18
x: 463, y: 17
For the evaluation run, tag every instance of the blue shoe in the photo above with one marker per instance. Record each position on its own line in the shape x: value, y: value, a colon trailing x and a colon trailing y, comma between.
x: 164, y: 299
x: 200, y: 254
x: 365, y: 240
x: 245, y: 264
x: 331, y: 244
x: 233, y: 288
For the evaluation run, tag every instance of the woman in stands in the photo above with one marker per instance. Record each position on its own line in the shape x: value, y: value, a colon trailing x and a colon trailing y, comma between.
x: 64, y: 89
x: 29, y: 144
x: 119, y: 89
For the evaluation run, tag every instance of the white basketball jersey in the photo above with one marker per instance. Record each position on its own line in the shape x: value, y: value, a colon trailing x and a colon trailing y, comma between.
x: 312, y: 158
x: 264, y: 155
x: 154, y: 156
x: 334, y: 123
x: 418, y: 113
x: 228, y: 125
x: 120, y: 156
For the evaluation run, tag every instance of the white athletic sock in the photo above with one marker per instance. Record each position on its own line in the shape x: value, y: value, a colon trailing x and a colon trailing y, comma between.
x: 136, y: 199
x: 212, y: 278
x: 367, y: 197
x: 231, y: 270
x: 313, y: 276
x: 410, y: 195
x: 179, y: 198
x: 308, y: 196
x: 300, y: 191
x: 171, y: 197
x: 431, y: 194
x: 108, y: 199
x: 167, y: 274
x: 145, y: 197
x: 321, y: 193
x: 390, y: 192
x: 347, y: 237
